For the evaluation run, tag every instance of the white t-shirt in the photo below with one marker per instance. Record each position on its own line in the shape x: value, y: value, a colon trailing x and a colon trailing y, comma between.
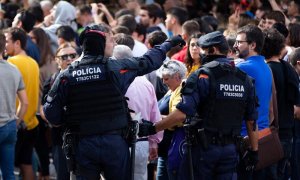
x: 139, y: 49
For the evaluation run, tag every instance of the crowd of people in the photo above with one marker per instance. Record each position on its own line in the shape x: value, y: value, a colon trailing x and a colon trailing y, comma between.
x: 53, y: 53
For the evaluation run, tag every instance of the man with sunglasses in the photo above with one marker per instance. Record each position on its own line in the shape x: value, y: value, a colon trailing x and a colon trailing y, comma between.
x: 222, y: 96
x: 90, y: 97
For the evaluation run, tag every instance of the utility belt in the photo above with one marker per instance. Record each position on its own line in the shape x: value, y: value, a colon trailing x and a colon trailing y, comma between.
x: 215, y: 138
x: 205, y: 138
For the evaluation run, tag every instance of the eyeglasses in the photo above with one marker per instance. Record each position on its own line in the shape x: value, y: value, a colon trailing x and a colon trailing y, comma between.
x: 194, y: 44
x: 67, y: 56
x: 238, y: 42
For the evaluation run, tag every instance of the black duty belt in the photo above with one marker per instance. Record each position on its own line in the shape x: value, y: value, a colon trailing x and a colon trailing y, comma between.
x: 220, y: 140
x: 143, y: 139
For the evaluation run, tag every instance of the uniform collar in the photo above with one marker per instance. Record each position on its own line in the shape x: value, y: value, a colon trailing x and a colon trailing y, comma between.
x: 209, y: 58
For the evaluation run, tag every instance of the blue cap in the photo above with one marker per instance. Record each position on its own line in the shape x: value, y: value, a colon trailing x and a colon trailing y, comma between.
x: 211, y: 39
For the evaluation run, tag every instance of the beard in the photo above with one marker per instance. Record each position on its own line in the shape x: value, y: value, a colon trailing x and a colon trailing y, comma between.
x: 242, y: 54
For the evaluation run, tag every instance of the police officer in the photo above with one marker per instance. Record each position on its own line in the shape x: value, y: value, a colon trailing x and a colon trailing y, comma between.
x: 222, y: 96
x: 88, y: 98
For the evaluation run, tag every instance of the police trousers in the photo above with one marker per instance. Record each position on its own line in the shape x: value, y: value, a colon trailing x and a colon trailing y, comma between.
x: 105, y: 154
x: 216, y: 162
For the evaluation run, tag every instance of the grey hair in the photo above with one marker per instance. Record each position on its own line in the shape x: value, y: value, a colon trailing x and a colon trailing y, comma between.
x: 122, y: 52
x: 171, y: 67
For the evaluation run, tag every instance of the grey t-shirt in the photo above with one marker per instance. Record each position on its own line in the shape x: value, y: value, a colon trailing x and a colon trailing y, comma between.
x: 10, y: 83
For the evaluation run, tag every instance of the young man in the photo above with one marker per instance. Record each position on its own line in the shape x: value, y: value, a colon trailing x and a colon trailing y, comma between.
x: 248, y: 46
x: 11, y: 84
x: 286, y: 83
x: 15, y: 47
x: 175, y: 18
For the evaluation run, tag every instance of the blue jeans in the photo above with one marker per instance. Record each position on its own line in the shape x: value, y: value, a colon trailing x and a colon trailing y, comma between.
x: 162, y: 172
x: 8, y: 138
x: 103, y: 153
x: 217, y: 162
x: 295, y: 160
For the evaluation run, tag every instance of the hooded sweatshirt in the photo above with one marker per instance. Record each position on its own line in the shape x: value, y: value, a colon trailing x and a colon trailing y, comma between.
x: 65, y: 14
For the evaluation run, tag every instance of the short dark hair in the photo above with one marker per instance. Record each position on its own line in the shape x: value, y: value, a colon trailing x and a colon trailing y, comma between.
x: 156, y: 38
x: 153, y: 10
x: 18, y: 34
x: 278, y: 16
x: 294, y: 56
x: 66, y: 33
x: 128, y: 21
x: 85, y: 9
x: 179, y: 13
x: 281, y: 28
x: 253, y: 34
x: 124, y: 39
x: 28, y: 20
x: 191, y: 27
x: 121, y: 29
x: 274, y: 43
x: 2, y: 42
x: 37, y: 11
x: 222, y: 47
x: 140, y: 29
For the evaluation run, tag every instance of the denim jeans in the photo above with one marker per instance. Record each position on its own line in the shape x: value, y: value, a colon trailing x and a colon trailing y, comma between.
x: 8, y: 138
x: 162, y: 172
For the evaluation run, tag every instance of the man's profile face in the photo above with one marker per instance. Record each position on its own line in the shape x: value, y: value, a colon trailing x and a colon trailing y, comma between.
x: 145, y: 19
x: 241, y: 46
x: 9, y: 45
x: 169, y: 22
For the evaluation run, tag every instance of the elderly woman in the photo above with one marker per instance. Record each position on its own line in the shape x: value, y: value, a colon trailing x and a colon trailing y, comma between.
x: 172, y: 73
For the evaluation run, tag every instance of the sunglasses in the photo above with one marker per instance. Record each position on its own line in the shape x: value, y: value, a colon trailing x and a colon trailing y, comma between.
x: 67, y: 56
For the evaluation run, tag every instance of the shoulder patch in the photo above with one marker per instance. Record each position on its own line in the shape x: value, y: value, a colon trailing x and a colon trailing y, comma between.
x: 203, y: 76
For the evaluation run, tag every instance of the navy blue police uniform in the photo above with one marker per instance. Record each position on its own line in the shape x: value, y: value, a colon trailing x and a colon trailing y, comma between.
x: 88, y: 98
x: 222, y: 96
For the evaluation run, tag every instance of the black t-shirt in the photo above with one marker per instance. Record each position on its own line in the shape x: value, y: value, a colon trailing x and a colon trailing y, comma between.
x: 285, y: 109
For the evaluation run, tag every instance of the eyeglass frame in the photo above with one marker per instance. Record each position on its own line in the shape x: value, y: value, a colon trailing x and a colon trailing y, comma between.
x: 238, y: 42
